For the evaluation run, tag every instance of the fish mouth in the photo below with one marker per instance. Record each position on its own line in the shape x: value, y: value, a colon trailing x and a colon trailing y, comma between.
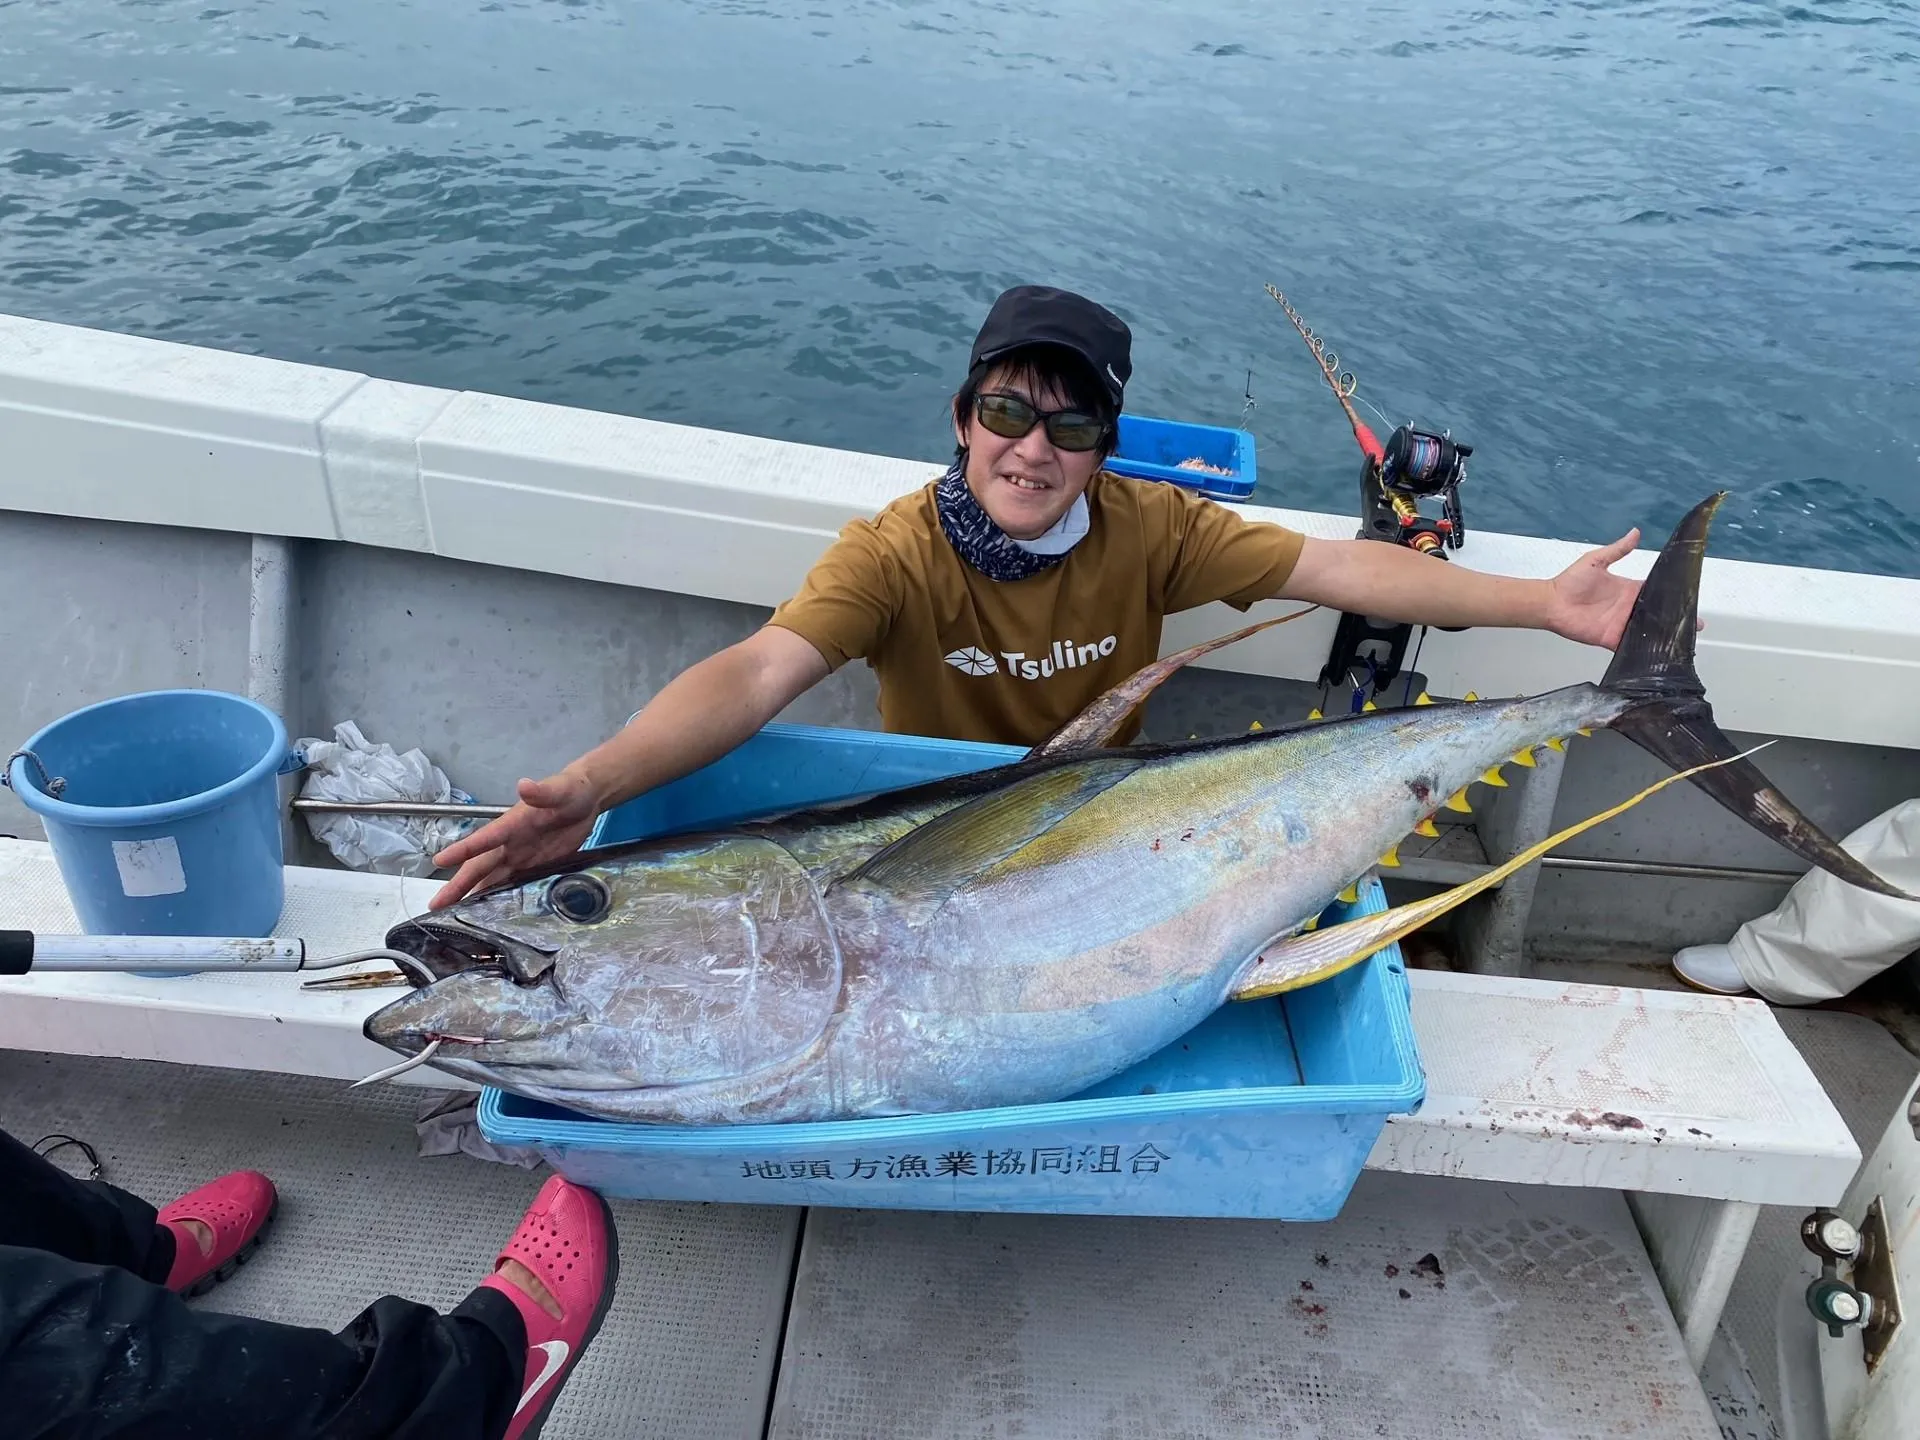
x: 444, y: 947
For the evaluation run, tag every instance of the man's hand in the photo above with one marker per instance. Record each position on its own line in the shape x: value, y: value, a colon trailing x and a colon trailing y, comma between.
x: 551, y: 821
x: 702, y: 713
x: 1587, y: 602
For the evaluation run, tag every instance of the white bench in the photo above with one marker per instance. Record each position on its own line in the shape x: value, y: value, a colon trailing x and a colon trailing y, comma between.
x: 1698, y: 1106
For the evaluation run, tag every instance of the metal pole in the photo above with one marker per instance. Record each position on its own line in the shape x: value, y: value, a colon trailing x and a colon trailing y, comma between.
x: 156, y: 954
x: 398, y: 807
x: 1676, y: 872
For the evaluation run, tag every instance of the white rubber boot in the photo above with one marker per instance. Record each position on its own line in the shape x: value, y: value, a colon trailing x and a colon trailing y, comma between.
x: 1710, y: 968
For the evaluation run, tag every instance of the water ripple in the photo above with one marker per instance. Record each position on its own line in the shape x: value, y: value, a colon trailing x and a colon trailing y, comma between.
x: 1633, y: 251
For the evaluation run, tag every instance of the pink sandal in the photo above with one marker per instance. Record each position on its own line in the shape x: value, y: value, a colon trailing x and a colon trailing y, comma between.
x: 236, y: 1208
x: 567, y: 1240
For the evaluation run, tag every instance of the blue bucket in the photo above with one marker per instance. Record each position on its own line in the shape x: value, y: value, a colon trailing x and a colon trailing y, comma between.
x: 163, y: 812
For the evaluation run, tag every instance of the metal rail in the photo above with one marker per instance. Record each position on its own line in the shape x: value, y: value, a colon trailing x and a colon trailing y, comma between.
x: 398, y: 807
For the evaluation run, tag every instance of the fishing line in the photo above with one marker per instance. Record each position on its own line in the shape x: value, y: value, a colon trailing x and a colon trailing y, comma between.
x: 411, y: 1063
x: 424, y: 1056
x: 1407, y: 694
x: 1376, y: 410
x: 410, y: 970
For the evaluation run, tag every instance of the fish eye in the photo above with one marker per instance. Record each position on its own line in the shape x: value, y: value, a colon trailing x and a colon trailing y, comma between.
x: 583, y: 899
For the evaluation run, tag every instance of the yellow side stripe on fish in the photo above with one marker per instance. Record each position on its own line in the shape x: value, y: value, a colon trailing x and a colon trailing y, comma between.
x: 1297, y: 962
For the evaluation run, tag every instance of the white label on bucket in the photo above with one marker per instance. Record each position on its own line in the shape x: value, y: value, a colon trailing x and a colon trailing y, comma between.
x: 149, y: 867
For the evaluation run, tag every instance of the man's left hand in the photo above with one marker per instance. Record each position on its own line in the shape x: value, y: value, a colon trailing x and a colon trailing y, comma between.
x: 1588, y: 603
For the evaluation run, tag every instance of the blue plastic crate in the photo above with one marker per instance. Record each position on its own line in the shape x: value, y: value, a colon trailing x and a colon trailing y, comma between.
x: 1151, y: 449
x: 788, y: 767
x: 1266, y: 1109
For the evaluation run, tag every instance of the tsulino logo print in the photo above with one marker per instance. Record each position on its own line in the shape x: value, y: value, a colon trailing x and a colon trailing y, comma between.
x: 1065, y: 655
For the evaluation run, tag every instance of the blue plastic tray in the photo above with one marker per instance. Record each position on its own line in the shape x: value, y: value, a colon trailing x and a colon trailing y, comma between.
x: 1266, y: 1109
x: 1151, y: 449
x: 788, y: 767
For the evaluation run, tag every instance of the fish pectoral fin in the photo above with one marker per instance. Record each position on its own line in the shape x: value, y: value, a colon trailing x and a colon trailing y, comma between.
x: 1101, y: 720
x: 951, y: 849
x: 1310, y: 957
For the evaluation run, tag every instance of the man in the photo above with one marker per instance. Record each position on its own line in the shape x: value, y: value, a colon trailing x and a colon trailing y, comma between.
x: 995, y: 602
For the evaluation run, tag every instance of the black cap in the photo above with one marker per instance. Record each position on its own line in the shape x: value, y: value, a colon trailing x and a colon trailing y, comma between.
x: 1040, y: 315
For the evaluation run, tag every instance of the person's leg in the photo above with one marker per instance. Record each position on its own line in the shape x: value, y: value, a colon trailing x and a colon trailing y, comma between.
x: 1826, y: 938
x: 190, y: 1245
x: 42, y: 1207
x: 93, y: 1351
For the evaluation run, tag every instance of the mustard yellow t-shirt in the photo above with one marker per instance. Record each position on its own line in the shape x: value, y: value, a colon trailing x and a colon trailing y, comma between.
x: 963, y: 657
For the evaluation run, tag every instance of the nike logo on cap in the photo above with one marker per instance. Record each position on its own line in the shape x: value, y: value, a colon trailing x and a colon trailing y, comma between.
x: 556, y: 1352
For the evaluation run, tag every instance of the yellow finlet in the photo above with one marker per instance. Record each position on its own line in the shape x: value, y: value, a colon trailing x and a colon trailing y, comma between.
x: 1586, y: 732
x: 1425, y: 699
x: 1253, y: 727
x: 1524, y: 757
x: 1458, y: 801
x: 1314, y: 714
x: 1313, y: 923
x: 1392, y: 858
x: 1470, y: 697
x: 1494, y: 778
x: 1368, y: 708
x: 1350, y: 895
x: 1427, y: 828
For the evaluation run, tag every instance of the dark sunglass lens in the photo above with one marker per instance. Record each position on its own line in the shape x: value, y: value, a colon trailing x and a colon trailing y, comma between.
x: 1073, y: 431
x: 1005, y: 416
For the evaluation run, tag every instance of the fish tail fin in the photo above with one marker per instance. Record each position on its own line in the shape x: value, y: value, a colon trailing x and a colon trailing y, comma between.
x: 1671, y: 719
x: 1315, y: 954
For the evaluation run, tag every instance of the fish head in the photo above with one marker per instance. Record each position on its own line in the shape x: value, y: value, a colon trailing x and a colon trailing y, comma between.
x: 489, y: 975
x: 625, y: 976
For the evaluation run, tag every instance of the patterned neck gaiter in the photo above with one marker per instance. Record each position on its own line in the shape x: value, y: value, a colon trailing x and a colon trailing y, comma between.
x: 984, y: 545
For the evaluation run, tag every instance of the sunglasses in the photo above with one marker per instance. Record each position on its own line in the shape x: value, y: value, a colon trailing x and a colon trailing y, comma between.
x: 1010, y: 417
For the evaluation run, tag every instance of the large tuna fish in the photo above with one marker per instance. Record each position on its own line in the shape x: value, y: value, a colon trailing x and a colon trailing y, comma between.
x: 1012, y: 936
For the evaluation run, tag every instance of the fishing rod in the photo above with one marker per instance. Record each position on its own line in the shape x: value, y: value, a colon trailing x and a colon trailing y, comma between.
x: 1414, y: 465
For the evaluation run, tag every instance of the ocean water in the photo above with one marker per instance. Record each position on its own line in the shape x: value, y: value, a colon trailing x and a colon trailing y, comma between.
x: 1632, y: 252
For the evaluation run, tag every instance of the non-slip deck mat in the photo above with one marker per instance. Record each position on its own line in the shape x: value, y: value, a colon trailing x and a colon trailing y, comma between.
x: 1430, y: 1309
x: 686, y: 1351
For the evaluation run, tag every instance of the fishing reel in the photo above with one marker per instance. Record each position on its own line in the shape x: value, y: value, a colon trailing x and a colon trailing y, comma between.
x: 1417, y: 465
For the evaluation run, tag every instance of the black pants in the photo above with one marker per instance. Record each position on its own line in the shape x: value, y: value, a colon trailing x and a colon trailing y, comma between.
x: 92, y: 1343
